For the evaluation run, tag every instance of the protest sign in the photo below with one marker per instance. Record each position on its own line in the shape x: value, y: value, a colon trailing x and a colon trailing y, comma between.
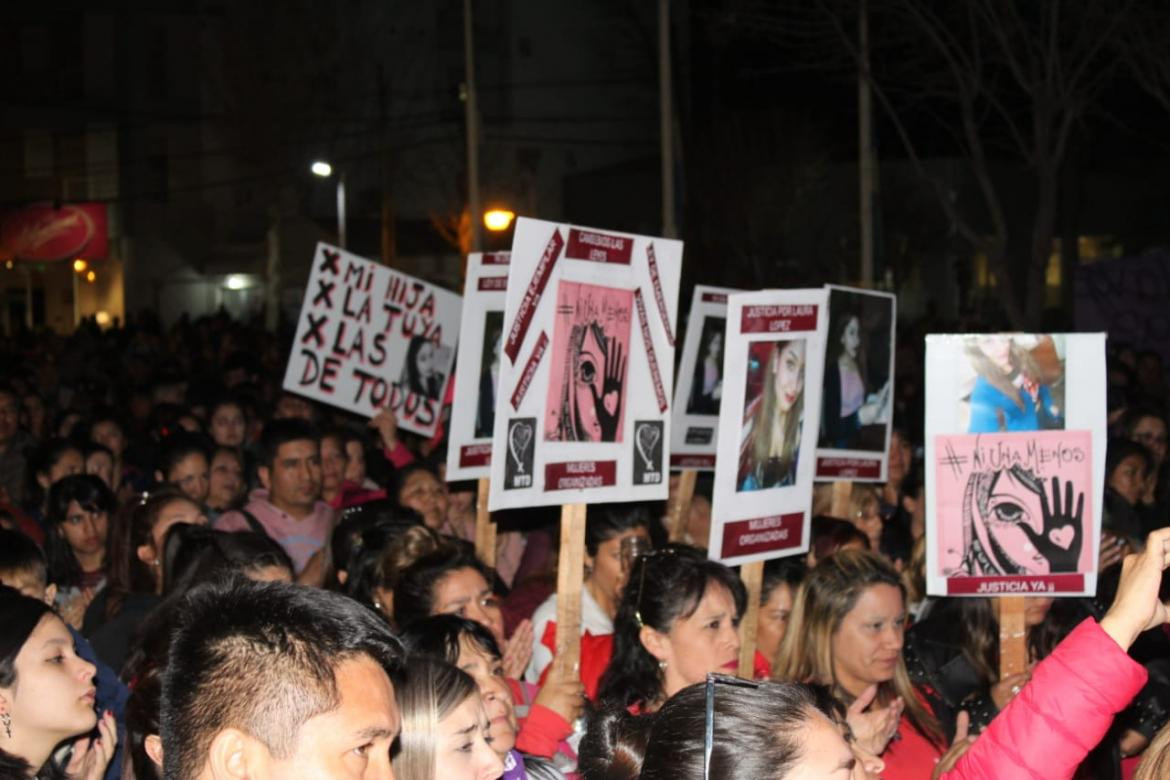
x: 477, y: 367
x: 700, y: 382
x: 772, y: 371
x: 1015, y: 463
x: 582, y: 408
x: 371, y: 338
x: 857, y: 397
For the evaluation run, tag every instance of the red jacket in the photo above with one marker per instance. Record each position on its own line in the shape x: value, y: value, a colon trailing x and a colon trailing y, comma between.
x: 1060, y: 715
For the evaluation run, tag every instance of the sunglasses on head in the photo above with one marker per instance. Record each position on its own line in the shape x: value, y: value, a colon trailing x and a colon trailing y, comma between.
x: 709, y: 712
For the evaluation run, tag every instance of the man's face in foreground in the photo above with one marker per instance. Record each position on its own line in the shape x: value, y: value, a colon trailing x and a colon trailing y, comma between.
x: 351, y: 741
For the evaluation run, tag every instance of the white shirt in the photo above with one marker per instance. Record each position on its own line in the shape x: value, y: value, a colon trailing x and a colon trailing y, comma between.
x: 593, y: 619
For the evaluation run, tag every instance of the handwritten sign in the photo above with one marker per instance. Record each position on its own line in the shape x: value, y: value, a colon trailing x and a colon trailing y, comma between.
x: 371, y: 338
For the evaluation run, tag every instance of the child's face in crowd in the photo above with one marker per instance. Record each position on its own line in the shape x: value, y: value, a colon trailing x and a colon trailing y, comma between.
x: 31, y: 583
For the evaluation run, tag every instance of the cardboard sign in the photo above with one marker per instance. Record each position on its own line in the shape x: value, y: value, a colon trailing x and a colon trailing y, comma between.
x: 699, y: 388
x: 772, y: 371
x: 857, y: 394
x: 582, y: 407
x: 477, y: 366
x: 370, y: 337
x: 1015, y: 463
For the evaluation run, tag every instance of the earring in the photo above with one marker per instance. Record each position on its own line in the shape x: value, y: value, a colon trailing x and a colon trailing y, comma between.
x: 7, y: 720
x: 662, y: 666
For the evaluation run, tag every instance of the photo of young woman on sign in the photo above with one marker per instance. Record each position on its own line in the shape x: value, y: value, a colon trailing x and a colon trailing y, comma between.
x: 1018, y: 384
x: 856, y: 400
x: 707, y: 384
x: 773, y: 406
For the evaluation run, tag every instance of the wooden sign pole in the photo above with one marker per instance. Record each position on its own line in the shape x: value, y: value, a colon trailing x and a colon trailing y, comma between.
x: 570, y: 576
x: 680, y: 509
x: 1013, y: 650
x: 842, y: 492
x: 752, y: 575
x: 485, y: 527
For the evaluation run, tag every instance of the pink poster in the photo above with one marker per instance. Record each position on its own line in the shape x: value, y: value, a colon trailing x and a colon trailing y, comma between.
x: 1014, y: 511
x: 590, y: 351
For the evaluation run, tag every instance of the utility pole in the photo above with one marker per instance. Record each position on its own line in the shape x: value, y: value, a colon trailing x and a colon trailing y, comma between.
x: 471, y: 107
x: 865, y: 155
x: 666, y: 120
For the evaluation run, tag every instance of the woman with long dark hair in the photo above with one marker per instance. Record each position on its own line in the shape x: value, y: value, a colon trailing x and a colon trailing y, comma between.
x: 46, y: 697
x: 677, y: 621
x: 420, y: 371
x: 845, y: 409
x: 77, y: 521
x: 135, y: 574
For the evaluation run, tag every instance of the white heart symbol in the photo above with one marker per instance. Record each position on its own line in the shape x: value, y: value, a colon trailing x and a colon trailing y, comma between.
x: 1062, y: 537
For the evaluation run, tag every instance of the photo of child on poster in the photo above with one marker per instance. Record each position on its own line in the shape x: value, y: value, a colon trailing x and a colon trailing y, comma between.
x: 590, y: 349
x: 856, y: 404
x: 489, y: 372
x: 773, y: 409
x: 1013, y: 382
x: 707, y: 382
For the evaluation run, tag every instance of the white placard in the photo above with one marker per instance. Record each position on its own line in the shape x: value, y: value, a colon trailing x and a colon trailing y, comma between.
x: 370, y: 337
x: 1015, y: 463
x: 700, y: 382
x: 477, y: 367
x: 583, y: 402
x: 857, y: 396
x: 772, y: 373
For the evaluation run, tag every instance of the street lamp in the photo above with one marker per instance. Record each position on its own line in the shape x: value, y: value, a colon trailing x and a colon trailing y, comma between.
x: 498, y: 220
x: 325, y: 170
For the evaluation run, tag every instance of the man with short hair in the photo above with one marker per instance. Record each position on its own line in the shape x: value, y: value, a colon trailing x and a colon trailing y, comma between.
x: 266, y: 681
x: 288, y: 508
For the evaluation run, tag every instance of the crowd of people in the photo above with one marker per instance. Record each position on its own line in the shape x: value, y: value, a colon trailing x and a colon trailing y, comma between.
x: 206, y: 577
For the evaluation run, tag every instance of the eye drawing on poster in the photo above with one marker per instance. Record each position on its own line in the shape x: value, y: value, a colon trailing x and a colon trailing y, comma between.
x: 707, y: 383
x: 1017, y: 523
x: 1018, y: 383
x: 420, y: 372
x: 489, y: 373
x: 772, y: 420
x: 590, y: 353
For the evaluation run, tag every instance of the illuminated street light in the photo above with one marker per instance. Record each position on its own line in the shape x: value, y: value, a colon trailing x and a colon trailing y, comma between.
x: 236, y: 282
x: 80, y: 265
x: 91, y: 277
x: 498, y: 220
x: 325, y: 170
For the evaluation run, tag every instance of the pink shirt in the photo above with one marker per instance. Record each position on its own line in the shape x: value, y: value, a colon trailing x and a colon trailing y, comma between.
x: 300, y: 537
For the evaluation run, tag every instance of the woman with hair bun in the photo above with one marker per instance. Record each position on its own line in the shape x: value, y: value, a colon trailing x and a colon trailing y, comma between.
x: 677, y: 621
